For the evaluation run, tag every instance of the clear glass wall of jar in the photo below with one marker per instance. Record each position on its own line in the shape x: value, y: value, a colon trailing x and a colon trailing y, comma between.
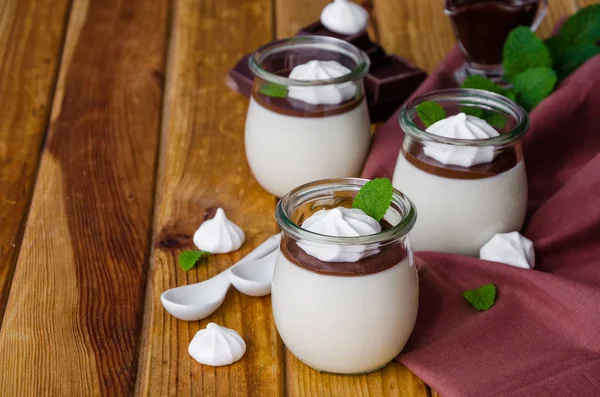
x: 344, y: 317
x: 299, y: 131
x: 461, y: 208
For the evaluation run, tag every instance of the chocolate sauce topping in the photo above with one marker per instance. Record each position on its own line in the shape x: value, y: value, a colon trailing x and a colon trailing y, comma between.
x: 483, y: 26
x: 388, y: 257
x: 503, y: 162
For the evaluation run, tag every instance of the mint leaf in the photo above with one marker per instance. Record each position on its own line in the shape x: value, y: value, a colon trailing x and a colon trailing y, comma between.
x: 533, y: 85
x: 583, y: 27
x: 570, y: 57
x: 481, y: 298
x: 482, y: 83
x: 374, y: 198
x: 524, y: 50
x: 496, y: 120
x: 188, y: 259
x: 273, y: 90
x: 430, y: 112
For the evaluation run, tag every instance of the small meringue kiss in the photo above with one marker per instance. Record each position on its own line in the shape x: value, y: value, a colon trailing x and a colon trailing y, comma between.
x: 509, y: 248
x: 217, y: 346
x: 219, y: 235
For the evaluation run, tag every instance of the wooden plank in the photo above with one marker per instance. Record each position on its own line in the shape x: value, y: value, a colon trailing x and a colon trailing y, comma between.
x: 31, y: 38
x: 393, y: 380
x: 203, y: 167
x: 73, y: 317
x: 419, y: 31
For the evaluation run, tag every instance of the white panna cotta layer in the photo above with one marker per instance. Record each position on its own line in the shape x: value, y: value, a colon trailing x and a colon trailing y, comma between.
x: 461, y: 215
x: 286, y: 151
x: 344, y: 324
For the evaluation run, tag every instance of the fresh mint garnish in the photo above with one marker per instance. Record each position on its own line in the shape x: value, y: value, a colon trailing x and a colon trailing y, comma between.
x: 374, y: 198
x: 481, y: 298
x: 533, y: 85
x: 583, y: 27
x: 430, y: 112
x: 188, y: 259
x: 568, y: 58
x: 482, y: 83
x: 273, y: 90
x: 524, y: 50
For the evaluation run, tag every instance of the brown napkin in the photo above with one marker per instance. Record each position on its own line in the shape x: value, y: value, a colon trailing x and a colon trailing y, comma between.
x: 542, y: 337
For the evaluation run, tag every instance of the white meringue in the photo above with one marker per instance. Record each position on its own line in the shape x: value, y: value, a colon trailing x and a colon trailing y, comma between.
x: 219, y: 235
x: 344, y: 17
x: 341, y: 222
x: 461, y: 126
x: 509, y: 248
x: 216, y: 346
x: 331, y: 94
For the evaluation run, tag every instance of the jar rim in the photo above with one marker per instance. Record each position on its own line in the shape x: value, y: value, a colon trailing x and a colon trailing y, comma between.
x: 312, y: 189
x: 481, y: 97
x: 323, y: 42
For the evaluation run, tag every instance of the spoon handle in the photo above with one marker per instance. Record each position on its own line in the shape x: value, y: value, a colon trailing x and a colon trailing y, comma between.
x: 270, y: 245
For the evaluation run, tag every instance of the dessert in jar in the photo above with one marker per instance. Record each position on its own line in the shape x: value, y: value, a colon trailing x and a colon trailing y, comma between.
x: 482, y: 26
x: 345, y: 288
x: 308, y: 117
x: 465, y: 173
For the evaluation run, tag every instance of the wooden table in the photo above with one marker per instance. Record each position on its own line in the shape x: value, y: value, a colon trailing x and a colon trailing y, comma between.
x: 117, y: 137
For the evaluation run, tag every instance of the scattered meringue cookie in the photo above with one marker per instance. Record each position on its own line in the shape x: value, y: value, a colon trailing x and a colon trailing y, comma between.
x: 219, y: 235
x: 344, y: 17
x: 331, y: 94
x: 339, y: 222
x: 461, y: 126
x: 509, y: 248
x: 216, y: 346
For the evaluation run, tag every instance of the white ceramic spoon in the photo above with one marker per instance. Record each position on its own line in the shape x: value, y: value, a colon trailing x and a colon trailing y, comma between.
x: 200, y: 300
x: 254, y: 277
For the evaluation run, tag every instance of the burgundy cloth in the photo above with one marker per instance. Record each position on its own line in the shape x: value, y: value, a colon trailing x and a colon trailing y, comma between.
x: 542, y: 337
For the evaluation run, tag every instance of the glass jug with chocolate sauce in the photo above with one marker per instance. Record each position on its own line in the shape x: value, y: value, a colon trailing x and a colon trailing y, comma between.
x: 482, y: 26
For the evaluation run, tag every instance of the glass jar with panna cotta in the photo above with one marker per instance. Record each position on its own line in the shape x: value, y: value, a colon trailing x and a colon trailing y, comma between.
x: 307, y: 118
x: 344, y: 304
x: 465, y: 173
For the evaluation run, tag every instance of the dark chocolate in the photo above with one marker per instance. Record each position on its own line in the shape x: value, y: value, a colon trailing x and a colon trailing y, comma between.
x: 503, y: 162
x: 483, y: 26
x: 388, y: 257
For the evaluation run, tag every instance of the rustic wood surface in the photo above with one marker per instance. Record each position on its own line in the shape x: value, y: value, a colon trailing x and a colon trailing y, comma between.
x: 144, y: 141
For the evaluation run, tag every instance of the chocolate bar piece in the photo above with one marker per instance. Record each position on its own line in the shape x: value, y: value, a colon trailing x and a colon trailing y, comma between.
x: 360, y: 40
x: 389, y: 84
x: 240, y: 77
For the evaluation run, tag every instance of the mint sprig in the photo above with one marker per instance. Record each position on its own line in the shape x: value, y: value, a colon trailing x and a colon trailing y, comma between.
x: 374, y: 198
x: 481, y: 298
x: 189, y: 259
x: 273, y: 90
x: 481, y: 83
x: 523, y: 50
x: 533, y: 85
x: 430, y: 112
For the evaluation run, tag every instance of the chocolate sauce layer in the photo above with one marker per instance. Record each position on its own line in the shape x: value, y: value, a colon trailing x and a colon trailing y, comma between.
x: 389, y: 256
x: 482, y: 26
x: 295, y: 108
x: 503, y: 162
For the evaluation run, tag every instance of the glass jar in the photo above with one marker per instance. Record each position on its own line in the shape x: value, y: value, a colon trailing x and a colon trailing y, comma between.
x: 344, y: 317
x: 299, y: 131
x: 461, y: 208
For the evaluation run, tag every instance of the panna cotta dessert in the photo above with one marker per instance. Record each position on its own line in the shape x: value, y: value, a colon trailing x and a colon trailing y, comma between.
x: 465, y: 175
x: 308, y: 116
x: 345, y: 288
